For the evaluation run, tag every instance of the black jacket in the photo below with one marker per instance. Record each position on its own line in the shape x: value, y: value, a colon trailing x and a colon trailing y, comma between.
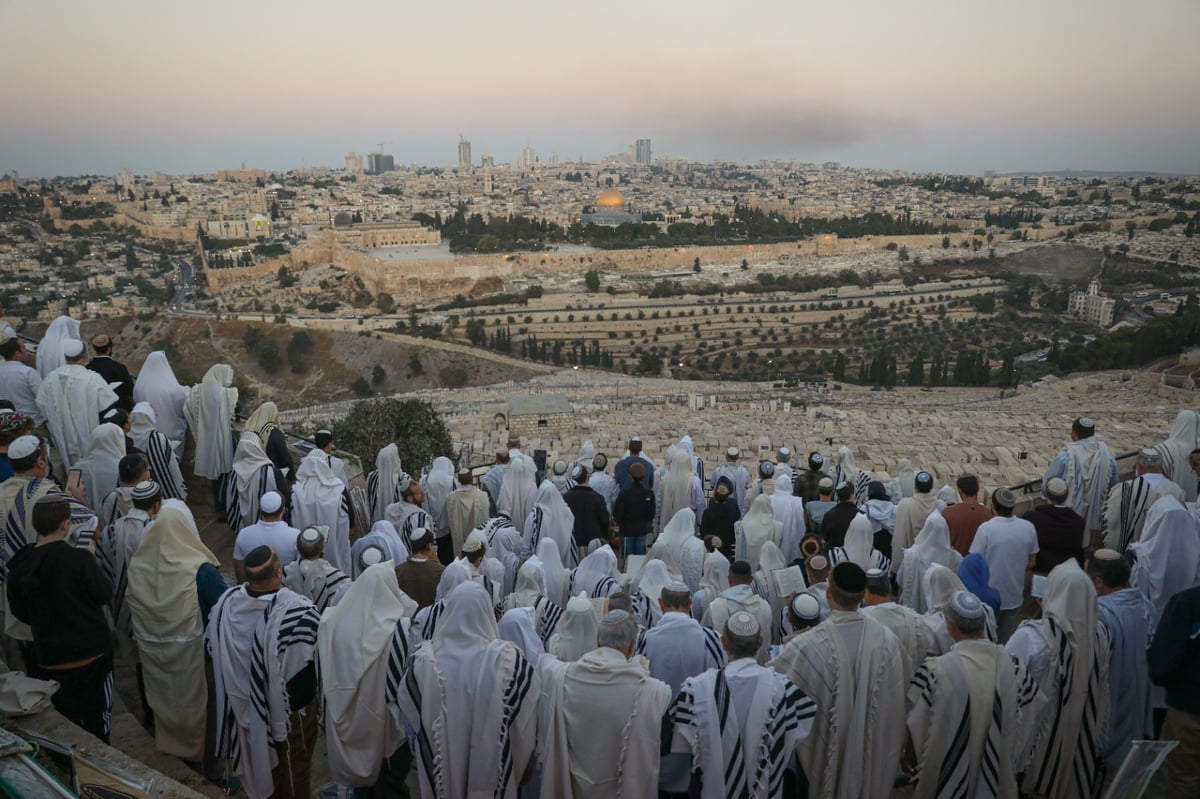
x: 718, y: 519
x: 837, y: 522
x: 1174, y: 654
x: 115, y: 372
x: 591, y: 514
x: 634, y: 511
x: 806, y: 485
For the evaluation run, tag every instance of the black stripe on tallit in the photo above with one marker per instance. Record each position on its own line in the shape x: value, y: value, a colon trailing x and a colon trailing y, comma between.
x: 424, y: 748
x: 397, y: 662
x: 548, y: 617
x: 160, y: 455
x: 956, y: 751
x: 435, y: 613
x: 712, y: 647
x: 735, y: 769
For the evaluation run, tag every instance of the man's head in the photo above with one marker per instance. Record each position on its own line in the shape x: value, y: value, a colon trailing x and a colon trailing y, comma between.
x: 740, y: 573
x: 816, y: 461
x: 412, y: 492
x: 879, y: 587
x: 52, y: 516
x: 1108, y: 570
x: 637, y: 472
x: 74, y: 352
x: 310, y: 543
x: 28, y: 457
x: 965, y: 616
x: 783, y: 455
x: 472, y: 550
x: 923, y: 482
x: 117, y: 416
x: 1003, y: 502
x: 271, y: 506
x: 600, y: 462
x: 766, y: 470
x: 675, y: 598
x: 13, y: 425
x: 817, y: 567
x: 845, y: 491
x: 825, y: 488
x: 324, y: 441
x: 502, y: 455
x: 1194, y: 461
x: 721, y: 492
x: 618, y: 630
x: 1082, y: 428
x: 635, y: 446
x: 421, y: 542
x: 804, y: 611
x: 579, y: 474
x: 620, y: 601
x: 12, y: 349
x: 968, y: 486
x: 464, y: 477
x: 102, y: 344
x: 1149, y: 461
x: 847, y: 584
x: 147, y: 496
x: 263, y: 570
x: 1056, y: 491
x: 743, y: 636
x: 733, y: 454
x: 514, y: 442
x: 133, y: 469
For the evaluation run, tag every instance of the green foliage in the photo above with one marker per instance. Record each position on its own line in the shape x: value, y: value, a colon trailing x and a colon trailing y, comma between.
x: 591, y: 279
x: 378, y: 375
x: 264, y: 349
x: 414, y: 364
x: 386, y: 303
x: 1127, y: 347
x: 413, y: 425
x: 649, y: 363
x: 298, y: 350
x: 361, y: 388
x: 984, y: 303
x: 453, y: 376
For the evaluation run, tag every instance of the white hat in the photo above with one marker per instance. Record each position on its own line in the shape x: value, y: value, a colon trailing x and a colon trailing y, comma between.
x: 784, y: 453
x: 23, y: 447
x: 370, y: 556
x: 742, y: 623
x: 806, y: 606
x: 733, y: 452
x: 148, y: 489
x: 471, y: 545
x: 418, y: 533
x: 72, y: 348
x: 270, y: 502
x: 967, y: 605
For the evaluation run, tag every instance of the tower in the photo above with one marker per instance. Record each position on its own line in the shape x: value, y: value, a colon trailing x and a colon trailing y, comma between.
x: 464, y: 153
x: 642, y: 151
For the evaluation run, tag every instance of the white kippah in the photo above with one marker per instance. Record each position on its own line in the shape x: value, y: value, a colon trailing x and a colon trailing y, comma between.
x: 471, y: 545
x: 145, y: 490
x: 1106, y: 554
x: 615, y: 617
x: 806, y: 606
x: 72, y: 348
x: 966, y: 605
x: 270, y: 502
x: 403, y: 482
x: 418, y: 533
x: 560, y: 466
x: 784, y: 452
x: 742, y: 623
x: 310, y: 535
x: 579, y: 603
x: 766, y: 468
x: 733, y: 452
x: 677, y: 586
x: 875, y: 573
x: 1086, y: 423
x: 370, y: 556
x: 24, y: 446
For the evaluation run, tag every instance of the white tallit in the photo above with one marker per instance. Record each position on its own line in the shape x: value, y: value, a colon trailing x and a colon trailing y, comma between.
x: 356, y: 645
x: 164, y: 466
x: 317, y: 580
x: 100, y: 466
x: 932, y: 548
x: 1088, y: 470
x: 156, y: 384
x: 255, y: 476
x: 686, y: 550
x: 50, y: 348
x: 676, y: 488
x: 385, y: 481
x: 517, y: 489
x: 438, y: 484
x: 1184, y: 437
x: 576, y: 632
x: 755, y: 529
x: 789, y: 512
x: 209, y: 414
x: 319, y: 500
x: 1168, y: 554
x: 72, y: 398
x: 550, y: 518
x: 597, y: 574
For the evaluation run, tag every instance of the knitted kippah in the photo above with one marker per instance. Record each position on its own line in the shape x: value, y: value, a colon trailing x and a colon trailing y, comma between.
x: 742, y: 623
x: 370, y: 556
x: 966, y: 605
x: 310, y: 536
x: 806, y: 606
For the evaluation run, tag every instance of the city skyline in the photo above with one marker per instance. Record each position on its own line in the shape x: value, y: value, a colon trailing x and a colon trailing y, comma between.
x: 927, y: 86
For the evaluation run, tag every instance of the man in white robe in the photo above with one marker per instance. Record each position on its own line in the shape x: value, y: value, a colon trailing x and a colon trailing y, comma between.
x: 115, y: 550
x: 312, y: 576
x: 472, y: 699
x: 164, y: 465
x: 131, y: 470
x: 725, y: 719
x: 788, y: 511
x: 51, y: 349
x: 851, y: 666
x: 1183, y: 440
x: 601, y: 719
x: 466, y: 508
x: 550, y: 518
x: 494, y: 478
x: 362, y: 651
x: 1090, y: 471
x: 1167, y: 558
x: 911, y: 514
x: 320, y: 499
x: 157, y: 386
x: 970, y: 712
x: 906, y: 624
x: 262, y: 638
x: 209, y: 413
x: 1128, y: 501
x: 72, y: 397
x: 383, y: 484
x: 679, y: 647
x: 738, y: 476
x: 383, y: 539
x: 408, y: 514
x: 740, y: 596
x: 254, y: 476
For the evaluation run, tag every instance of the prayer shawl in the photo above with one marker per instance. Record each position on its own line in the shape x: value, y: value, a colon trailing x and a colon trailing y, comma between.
x: 157, y: 386
x: 209, y: 413
x: 653, y: 578
x: 531, y: 593
x: 383, y: 484
x: 504, y: 544
x: 1068, y: 746
x: 741, y: 597
x: 844, y: 468
x: 254, y: 475
x: 686, y: 551
x: 517, y: 489
x: 882, y: 514
x: 679, y: 647
x: 969, y: 714
x: 427, y: 618
x: 362, y: 651
x: 852, y: 668
x: 739, y: 478
x: 318, y: 581
x: 72, y: 398
x: 472, y: 699
x: 1089, y: 468
x: 557, y: 577
x: 601, y: 724
x: 50, y: 348
x: 911, y: 515
x: 596, y: 575
x: 687, y: 446
x: 320, y: 499
x: 932, y: 548
x: 101, y: 466
x: 714, y: 580
x: 551, y: 519
x: 164, y: 466
x: 1184, y: 437
x: 910, y: 630
x: 1168, y: 556
x: 164, y: 608
x: 438, y: 484
x: 1130, y: 619
x: 118, y: 502
x: 904, y: 485
x: 114, y: 551
x: 257, y: 644
x: 466, y: 509
x: 384, y: 536
x: 406, y: 517
x: 755, y: 529
x: 576, y: 633
x: 742, y: 724
x: 1125, y: 513
x: 859, y: 547
x: 788, y: 510
x: 264, y: 419
x: 518, y: 626
x: 677, y: 489
x: 770, y: 560
x: 937, y: 586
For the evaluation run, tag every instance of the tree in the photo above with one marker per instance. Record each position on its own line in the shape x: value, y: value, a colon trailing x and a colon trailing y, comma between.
x: 386, y: 303
x: 361, y: 388
x: 591, y: 279
x: 945, y: 242
x: 904, y: 253
x: 414, y: 364
x: 839, y: 367
x: 916, y: 370
x: 1129, y: 228
x: 378, y: 375
x: 696, y: 264
x: 298, y: 350
x: 745, y: 265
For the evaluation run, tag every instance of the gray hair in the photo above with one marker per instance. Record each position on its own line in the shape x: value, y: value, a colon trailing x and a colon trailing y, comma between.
x: 618, y: 629
x: 741, y: 646
x: 971, y: 628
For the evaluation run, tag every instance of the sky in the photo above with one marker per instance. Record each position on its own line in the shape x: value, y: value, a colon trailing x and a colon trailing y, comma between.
x: 925, y: 85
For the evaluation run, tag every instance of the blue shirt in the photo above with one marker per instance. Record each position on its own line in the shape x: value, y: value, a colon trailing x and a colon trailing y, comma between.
x: 621, y: 472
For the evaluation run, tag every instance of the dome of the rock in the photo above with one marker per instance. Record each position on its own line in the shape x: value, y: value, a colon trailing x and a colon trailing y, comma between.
x: 611, y: 198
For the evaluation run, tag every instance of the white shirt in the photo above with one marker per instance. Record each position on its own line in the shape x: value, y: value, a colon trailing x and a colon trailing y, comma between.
x: 19, y: 385
x: 1006, y: 544
x: 277, y: 535
x: 1028, y: 646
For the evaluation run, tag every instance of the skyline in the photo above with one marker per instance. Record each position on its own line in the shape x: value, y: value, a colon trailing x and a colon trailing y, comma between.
x: 925, y: 87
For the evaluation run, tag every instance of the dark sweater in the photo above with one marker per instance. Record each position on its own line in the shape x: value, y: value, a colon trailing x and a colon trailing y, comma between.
x: 837, y: 522
x: 419, y: 579
x: 1174, y: 654
x: 718, y: 519
x: 591, y: 514
x: 115, y: 372
x: 62, y: 594
x: 634, y: 511
x: 1059, y: 534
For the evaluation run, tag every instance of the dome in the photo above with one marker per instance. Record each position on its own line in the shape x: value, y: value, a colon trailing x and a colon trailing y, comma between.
x: 611, y: 198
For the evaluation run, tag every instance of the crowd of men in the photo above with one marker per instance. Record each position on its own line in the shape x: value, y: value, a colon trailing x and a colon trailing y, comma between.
x: 789, y: 629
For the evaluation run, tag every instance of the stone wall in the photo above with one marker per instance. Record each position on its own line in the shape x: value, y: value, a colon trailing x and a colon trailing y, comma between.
x: 558, y: 424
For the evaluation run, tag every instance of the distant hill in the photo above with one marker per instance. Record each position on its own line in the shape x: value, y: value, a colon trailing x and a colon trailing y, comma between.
x: 1093, y: 173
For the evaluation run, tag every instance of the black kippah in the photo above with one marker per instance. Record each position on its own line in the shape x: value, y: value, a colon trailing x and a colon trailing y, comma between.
x: 849, y: 577
x: 741, y: 568
x: 258, y: 557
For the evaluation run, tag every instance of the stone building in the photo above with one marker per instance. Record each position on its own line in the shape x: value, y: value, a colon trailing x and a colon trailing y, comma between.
x: 542, y: 416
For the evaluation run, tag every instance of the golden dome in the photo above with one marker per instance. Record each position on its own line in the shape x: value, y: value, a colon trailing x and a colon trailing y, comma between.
x: 611, y: 198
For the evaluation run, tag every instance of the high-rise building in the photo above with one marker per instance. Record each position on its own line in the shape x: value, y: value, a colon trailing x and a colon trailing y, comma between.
x: 354, y: 163
x: 487, y: 162
x: 1093, y: 306
x: 464, y: 153
x: 378, y: 163
x: 528, y: 156
x: 642, y: 151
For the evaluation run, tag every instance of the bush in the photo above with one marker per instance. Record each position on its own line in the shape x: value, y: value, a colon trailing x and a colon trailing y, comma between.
x: 453, y: 376
x: 362, y: 389
x: 413, y: 425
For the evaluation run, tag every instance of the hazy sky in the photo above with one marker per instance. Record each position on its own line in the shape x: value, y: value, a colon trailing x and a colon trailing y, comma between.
x: 938, y: 85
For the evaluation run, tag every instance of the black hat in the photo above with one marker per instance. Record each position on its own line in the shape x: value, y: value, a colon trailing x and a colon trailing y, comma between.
x: 849, y: 577
x: 923, y: 482
x: 815, y: 461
